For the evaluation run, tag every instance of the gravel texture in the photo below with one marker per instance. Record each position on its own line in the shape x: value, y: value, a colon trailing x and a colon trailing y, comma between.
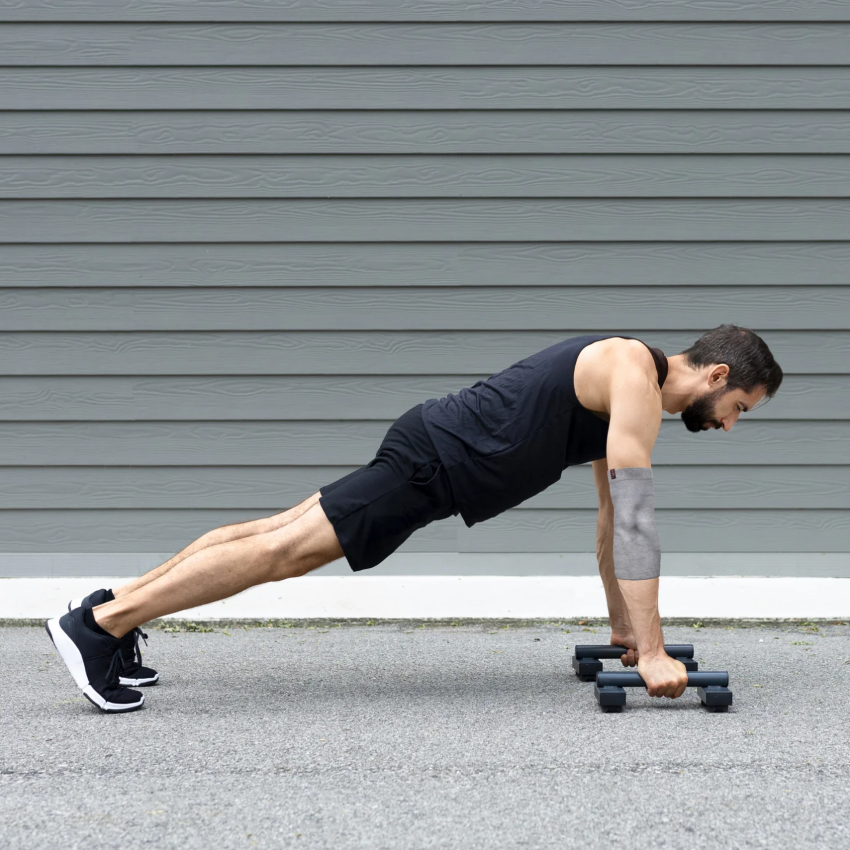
x: 406, y: 736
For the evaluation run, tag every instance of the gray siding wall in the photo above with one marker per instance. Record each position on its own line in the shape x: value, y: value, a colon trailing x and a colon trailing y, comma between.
x: 238, y: 239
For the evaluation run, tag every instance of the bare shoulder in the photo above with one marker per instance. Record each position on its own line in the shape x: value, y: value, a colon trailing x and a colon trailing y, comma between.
x: 616, y: 353
x: 632, y: 354
x: 612, y: 363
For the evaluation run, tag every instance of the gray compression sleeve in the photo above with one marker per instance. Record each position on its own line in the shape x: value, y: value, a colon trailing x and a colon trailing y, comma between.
x: 637, y: 549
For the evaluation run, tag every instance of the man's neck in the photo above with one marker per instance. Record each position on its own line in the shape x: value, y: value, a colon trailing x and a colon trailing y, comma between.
x: 680, y: 385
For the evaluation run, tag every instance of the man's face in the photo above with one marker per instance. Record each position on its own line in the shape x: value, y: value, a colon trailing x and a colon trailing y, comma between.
x: 719, y: 409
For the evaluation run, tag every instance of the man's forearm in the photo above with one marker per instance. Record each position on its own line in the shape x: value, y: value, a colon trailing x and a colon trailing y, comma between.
x: 632, y: 605
x: 637, y: 553
x: 641, y: 601
x: 617, y: 612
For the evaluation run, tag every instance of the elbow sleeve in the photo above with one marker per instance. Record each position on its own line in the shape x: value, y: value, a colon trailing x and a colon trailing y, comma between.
x: 637, y: 549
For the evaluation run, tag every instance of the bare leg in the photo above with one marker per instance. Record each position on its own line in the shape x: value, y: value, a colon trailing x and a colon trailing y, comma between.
x: 224, y: 569
x: 217, y: 536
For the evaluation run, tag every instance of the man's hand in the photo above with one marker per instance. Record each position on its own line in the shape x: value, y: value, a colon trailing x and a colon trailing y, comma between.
x: 627, y: 639
x: 663, y: 675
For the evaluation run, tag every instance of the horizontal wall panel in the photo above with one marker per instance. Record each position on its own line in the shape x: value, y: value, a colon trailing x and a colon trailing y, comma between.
x: 423, y: 10
x: 679, y: 531
x: 472, y: 43
x: 351, y: 352
x: 209, y: 265
x: 515, y: 531
x: 274, y: 488
x: 404, y: 176
x: 414, y: 89
x: 434, y: 132
x: 104, y: 398
x: 162, y: 530
x: 354, y: 443
x: 112, y: 564
x: 347, y: 309
x: 702, y: 487
x: 424, y: 220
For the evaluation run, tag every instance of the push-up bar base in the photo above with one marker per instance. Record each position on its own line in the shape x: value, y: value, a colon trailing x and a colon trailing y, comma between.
x: 712, y: 689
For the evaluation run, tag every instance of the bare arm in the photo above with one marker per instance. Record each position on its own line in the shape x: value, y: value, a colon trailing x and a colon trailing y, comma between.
x: 621, y: 630
x: 635, y: 408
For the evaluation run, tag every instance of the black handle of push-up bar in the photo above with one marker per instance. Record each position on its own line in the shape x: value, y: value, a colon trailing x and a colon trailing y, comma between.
x: 678, y: 650
x: 633, y: 680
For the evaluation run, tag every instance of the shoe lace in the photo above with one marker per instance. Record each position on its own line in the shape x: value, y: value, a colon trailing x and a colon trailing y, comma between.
x: 138, y: 633
x: 115, y: 667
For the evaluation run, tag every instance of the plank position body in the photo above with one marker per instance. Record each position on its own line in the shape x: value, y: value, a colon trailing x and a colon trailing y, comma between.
x: 477, y: 453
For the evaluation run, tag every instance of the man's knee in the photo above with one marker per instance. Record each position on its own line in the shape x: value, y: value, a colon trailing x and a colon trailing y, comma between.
x: 303, y: 545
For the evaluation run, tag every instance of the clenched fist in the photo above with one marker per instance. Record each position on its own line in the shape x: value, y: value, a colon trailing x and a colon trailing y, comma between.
x: 663, y: 675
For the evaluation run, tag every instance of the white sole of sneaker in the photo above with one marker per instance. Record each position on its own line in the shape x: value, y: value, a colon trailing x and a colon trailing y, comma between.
x: 138, y: 683
x: 111, y: 707
x: 69, y: 653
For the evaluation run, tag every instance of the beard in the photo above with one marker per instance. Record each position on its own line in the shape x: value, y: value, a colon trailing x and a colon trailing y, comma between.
x: 702, y: 411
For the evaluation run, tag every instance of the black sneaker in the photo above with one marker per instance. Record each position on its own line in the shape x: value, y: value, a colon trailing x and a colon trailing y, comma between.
x: 94, y: 661
x: 95, y: 598
x: 132, y: 671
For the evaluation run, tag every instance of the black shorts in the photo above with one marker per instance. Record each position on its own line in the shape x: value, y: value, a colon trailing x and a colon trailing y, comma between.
x: 404, y: 487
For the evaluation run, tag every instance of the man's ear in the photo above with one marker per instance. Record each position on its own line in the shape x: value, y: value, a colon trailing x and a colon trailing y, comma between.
x: 718, y: 373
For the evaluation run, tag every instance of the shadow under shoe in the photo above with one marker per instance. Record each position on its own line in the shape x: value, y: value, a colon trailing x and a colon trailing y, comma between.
x: 94, y: 661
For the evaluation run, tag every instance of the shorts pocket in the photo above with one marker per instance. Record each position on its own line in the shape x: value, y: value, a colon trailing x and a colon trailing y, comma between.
x: 426, y: 474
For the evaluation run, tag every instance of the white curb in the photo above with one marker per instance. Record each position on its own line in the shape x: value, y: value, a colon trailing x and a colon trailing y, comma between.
x: 414, y: 597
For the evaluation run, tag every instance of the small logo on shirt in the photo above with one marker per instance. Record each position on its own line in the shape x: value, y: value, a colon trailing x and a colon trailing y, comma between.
x: 613, y: 474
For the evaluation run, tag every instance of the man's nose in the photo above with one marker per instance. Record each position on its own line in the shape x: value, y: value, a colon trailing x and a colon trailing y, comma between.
x: 730, y: 420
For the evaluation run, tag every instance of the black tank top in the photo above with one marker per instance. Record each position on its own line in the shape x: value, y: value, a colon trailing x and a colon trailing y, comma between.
x: 511, y: 436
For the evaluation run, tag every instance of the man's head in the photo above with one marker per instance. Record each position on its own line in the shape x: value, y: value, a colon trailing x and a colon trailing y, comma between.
x: 737, y: 371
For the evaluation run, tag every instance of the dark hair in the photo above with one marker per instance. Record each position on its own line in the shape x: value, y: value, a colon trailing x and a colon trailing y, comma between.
x: 751, y: 365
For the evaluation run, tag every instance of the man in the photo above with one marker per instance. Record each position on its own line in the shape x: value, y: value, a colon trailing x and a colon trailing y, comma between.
x: 590, y: 398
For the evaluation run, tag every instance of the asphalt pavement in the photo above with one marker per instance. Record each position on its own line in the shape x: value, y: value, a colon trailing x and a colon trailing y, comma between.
x: 423, y: 736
